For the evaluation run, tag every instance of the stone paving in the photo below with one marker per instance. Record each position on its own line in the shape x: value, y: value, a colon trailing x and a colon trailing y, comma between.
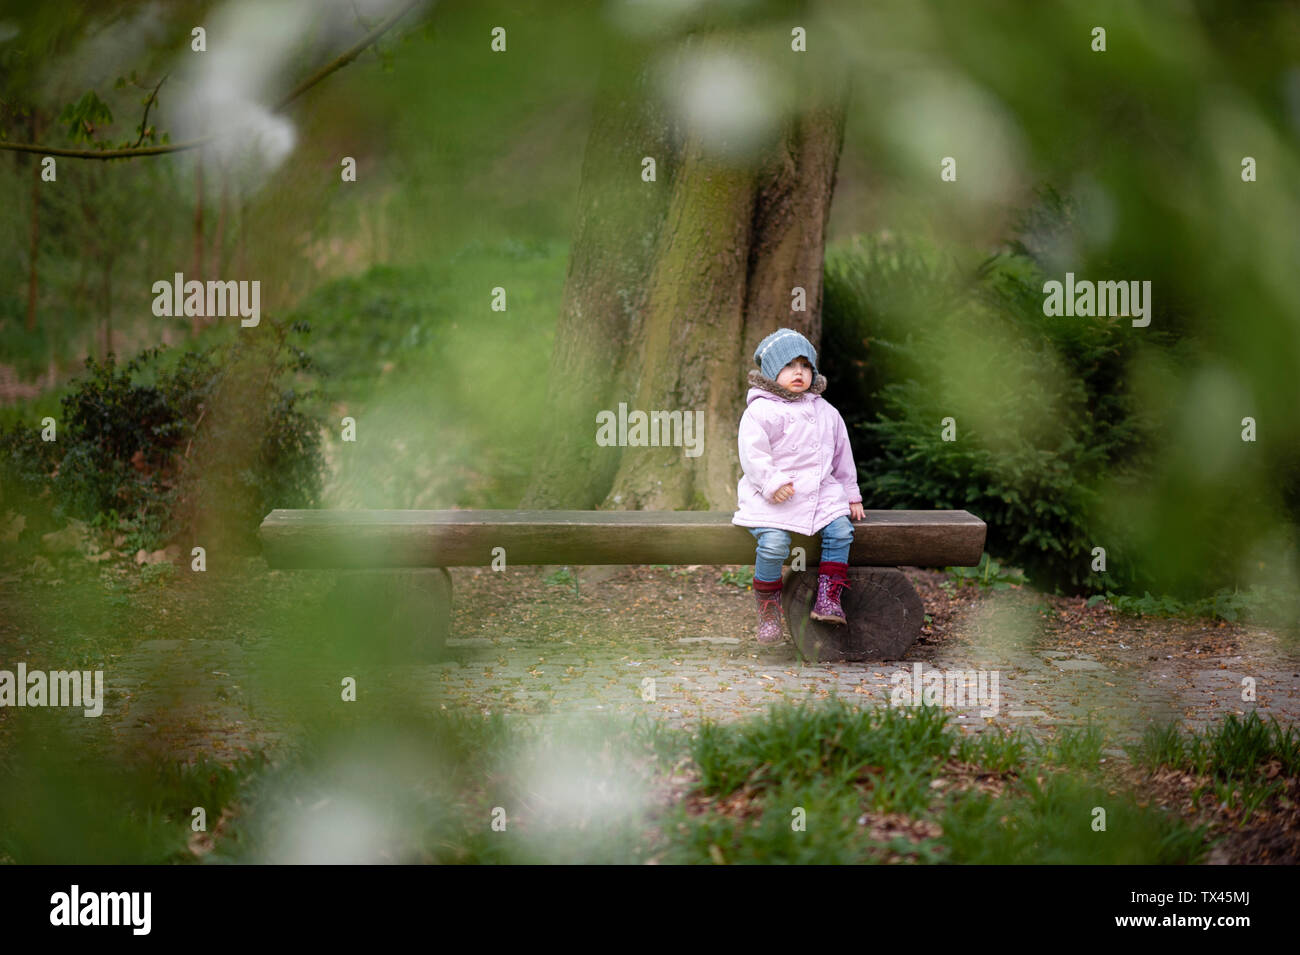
x: 556, y: 656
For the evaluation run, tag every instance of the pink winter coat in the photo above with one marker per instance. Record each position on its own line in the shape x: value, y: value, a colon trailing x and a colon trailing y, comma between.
x: 793, y: 439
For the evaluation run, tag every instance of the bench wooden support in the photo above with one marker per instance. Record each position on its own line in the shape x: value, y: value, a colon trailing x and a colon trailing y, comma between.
x: 391, y: 614
x: 400, y: 595
x: 883, y: 610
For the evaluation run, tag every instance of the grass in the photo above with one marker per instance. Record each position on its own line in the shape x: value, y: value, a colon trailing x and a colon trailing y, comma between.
x: 800, y: 745
x: 1235, y: 748
x: 995, y: 752
x: 1243, y: 762
x: 1058, y: 819
x: 1080, y: 749
x: 822, y: 782
x: 58, y: 806
x: 848, y: 769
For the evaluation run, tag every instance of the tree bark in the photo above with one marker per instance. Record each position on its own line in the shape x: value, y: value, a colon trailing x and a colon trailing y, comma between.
x: 107, y: 286
x: 219, y: 242
x: 671, y: 285
x: 34, y: 246
x: 618, y: 224
x: 107, y: 261
x: 198, y: 231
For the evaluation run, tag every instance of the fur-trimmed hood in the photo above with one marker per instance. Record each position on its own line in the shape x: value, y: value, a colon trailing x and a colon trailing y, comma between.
x: 759, y: 380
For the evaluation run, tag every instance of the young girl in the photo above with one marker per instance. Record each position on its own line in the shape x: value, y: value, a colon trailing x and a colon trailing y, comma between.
x: 799, y: 476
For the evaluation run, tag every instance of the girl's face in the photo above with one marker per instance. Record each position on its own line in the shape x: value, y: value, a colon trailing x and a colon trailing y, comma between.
x: 796, y: 376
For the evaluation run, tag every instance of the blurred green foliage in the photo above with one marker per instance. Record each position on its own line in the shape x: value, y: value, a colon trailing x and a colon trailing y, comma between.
x: 1032, y: 479
x: 393, y: 783
x: 121, y: 458
x: 444, y: 389
x: 1071, y: 433
x: 1050, y: 825
x: 62, y: 803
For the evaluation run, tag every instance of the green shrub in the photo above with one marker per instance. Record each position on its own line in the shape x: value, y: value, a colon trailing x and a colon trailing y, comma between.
x: 899, y: 318
x: 115, y: 448
x: 141, y: 447
x: 744, y: 577
x: 987, y: 575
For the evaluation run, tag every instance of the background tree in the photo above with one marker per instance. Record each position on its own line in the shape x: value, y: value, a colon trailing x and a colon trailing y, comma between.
x: 672, y: 283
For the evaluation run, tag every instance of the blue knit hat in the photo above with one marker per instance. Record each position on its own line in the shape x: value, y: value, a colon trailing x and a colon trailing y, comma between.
x: 780, y: 348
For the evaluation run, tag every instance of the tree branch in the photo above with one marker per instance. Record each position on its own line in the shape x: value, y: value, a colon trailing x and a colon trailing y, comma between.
x: 342, y: 60
x: 144, y: 122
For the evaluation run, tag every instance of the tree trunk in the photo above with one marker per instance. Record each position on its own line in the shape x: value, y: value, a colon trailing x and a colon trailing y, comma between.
x: 219, y: 242
x: 106, y: 259
x: 92, y: 245
x: 671, y: 285
x: 241, y: 239
x: 198, y: 231
x: 34, y: 246
x: 604, y: 306
x: 107, y: 287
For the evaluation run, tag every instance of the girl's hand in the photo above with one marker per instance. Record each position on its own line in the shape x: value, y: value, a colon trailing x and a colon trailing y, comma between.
x: 783, y: 493
x: 856, y: 512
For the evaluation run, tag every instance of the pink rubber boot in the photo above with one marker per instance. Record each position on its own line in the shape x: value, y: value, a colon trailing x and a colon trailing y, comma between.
x: 832, y: 578
x: 771, y: 618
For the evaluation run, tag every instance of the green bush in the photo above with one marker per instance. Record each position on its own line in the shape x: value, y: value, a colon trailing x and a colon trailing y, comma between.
x: 115, y: 445
x: 900, y: 320
x: 139, y: 445
x: 259, y: 450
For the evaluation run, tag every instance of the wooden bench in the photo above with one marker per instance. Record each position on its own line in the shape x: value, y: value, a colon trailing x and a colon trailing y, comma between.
x: 398, y: 560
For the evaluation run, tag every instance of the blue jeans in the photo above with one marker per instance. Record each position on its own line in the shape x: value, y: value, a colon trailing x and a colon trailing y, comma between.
x: 774, y: 547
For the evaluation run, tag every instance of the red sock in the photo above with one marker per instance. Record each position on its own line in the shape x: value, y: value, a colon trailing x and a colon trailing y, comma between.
x: 835, y: 569
x: 767, y: 586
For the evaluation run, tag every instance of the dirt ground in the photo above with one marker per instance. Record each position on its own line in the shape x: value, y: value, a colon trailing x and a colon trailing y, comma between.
x: 523, y: 643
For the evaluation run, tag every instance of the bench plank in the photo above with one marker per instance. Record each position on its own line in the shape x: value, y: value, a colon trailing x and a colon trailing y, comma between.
x: 293, y: 539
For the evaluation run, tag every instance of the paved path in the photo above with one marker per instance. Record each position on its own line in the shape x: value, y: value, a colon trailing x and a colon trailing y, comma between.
x: 629, y: 644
